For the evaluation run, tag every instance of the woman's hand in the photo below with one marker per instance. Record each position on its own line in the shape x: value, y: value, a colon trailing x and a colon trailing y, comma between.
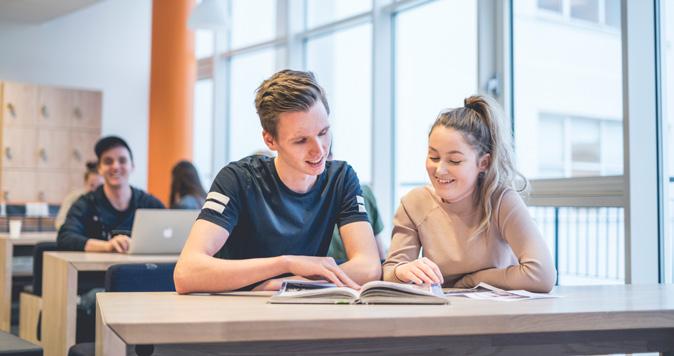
x: 419, y: 271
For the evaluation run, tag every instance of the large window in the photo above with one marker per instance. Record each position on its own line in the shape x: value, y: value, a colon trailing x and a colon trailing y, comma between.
x: 247, y: 72
x: 203, y: 43
x: 339, y: 60
x: 580, y: 146
x: 252, y: 22
x: 389, y: 67
x: 203, y: 130
x: 325, y: 11
x: 432, y: 74
x: 573, y: 73
x: 567, y: 108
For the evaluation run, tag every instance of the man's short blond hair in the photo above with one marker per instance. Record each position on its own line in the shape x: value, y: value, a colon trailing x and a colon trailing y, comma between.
x: 287, y: 91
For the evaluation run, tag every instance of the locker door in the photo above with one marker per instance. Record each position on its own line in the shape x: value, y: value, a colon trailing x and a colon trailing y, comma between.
x: 52, y: 187
x: 18, y: 186
x: 53, y: 148
x: 53, y: 104
x: 18, y: 104
x: 19, y: 147
x: 86, y: 109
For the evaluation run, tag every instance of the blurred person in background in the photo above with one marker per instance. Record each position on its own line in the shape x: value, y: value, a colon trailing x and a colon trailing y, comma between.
x: 92, y: 180
x: 186, y: 189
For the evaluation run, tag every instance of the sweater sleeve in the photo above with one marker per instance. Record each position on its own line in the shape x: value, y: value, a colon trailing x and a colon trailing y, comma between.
x: 405, y: 244
x: 65, y: 206
x: 71, y: 236
x: 535, y: 270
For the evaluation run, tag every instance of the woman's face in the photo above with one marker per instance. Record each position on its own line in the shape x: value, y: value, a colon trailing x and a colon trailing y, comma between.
x: 94, y: 180
x: 452, y: 164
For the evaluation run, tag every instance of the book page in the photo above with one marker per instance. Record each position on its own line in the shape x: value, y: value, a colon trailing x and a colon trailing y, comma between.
x: 297, y: 289
x: 484, y: 291
x: 402, y: 288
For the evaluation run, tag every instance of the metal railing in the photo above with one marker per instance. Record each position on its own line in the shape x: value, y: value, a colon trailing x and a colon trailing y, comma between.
x: 587, y: 242
x: 583, y: 224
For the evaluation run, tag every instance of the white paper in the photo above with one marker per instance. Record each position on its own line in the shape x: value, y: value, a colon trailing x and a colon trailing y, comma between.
x: 484, y: 291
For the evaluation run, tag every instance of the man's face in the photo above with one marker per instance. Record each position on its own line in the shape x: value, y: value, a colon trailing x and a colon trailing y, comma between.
x: 115, y: 166
x: 302, y: 141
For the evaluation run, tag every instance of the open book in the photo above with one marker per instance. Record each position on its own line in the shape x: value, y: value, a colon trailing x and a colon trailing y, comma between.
x: 375, y: 292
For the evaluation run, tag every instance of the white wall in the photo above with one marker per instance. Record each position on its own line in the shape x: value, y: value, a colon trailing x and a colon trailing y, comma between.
x: 104, y: 47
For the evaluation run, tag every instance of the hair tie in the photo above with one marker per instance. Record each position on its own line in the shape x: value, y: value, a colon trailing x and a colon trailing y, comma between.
x: 472, y: 106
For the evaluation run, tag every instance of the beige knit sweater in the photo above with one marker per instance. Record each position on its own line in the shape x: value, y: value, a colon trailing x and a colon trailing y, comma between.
x: 510, y: 255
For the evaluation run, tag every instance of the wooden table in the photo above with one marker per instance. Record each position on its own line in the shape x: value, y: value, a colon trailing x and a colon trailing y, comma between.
x: 59, y: 291
x: 587, y: 320
x: 6, y: 254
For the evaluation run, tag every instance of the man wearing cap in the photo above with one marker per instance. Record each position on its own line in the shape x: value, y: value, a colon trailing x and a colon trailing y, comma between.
x: 100, y: 221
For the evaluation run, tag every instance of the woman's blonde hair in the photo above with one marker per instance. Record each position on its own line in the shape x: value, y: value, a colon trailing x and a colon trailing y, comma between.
x: 480, y: 121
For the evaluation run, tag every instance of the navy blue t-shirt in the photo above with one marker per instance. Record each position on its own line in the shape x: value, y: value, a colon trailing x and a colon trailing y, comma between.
x: 266, y: 219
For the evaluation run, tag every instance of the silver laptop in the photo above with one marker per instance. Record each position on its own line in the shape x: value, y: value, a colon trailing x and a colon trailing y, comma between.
x: 161, y: 231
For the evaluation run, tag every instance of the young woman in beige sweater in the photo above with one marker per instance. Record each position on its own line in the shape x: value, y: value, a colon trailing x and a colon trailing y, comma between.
x: 470, y: 225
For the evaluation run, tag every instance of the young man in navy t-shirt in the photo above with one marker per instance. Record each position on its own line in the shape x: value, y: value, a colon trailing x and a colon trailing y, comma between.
x: 271, y: 218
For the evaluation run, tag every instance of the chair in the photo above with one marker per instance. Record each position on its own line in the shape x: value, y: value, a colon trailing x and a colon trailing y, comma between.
x: 30, y: 303
x: 133, y: 277
x: 140, y: 277
x: 12, y: 345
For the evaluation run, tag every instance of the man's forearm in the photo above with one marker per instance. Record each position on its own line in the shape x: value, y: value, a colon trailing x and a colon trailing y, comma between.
x: 362, y: 269
x: 95, y: 245
x: 204, y: 273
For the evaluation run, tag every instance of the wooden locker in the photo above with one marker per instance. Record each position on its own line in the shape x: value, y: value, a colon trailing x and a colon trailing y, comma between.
x: 86, y: 109
x: 82, y: 148
x: 47, y: 135
x: 18, y: 186
x: 53, y: 148
x: 52, y: 186
x: 19, y: 103
x: 19, y: 147
x: 53, y: 106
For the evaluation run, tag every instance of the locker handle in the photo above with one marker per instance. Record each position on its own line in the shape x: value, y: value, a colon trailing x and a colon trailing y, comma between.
x: 77, y: 155
x: 44, y: 111
x: 43, y: 154
x: 40, y: 196
x: 5, y: 195
x: 11, y: 109
x: 77, y: 112
x: 8, y: 152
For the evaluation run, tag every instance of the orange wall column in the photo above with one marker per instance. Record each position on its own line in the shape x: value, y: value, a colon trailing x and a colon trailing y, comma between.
x: 172, y: 76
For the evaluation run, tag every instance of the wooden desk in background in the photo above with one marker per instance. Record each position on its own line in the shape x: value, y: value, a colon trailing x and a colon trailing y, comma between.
x: 59, y: 291
x: 6, y: 254
x: 587, y: 320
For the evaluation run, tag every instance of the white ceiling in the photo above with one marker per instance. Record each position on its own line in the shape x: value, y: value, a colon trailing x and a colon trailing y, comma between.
x: 33, y: 12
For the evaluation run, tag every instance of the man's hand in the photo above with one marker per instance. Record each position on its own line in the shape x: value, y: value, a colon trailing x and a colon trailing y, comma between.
x: 319, y: 268
x: 119, y: 243
x: 274, y: 284
x: 419, y: 271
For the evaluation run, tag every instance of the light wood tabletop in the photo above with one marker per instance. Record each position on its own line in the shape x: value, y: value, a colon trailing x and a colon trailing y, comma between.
x: 585, y: 320
x: 59, y: 291
x: 6, y: 254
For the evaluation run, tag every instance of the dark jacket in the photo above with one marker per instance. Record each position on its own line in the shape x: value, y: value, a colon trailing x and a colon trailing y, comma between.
x: 92, y: 216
